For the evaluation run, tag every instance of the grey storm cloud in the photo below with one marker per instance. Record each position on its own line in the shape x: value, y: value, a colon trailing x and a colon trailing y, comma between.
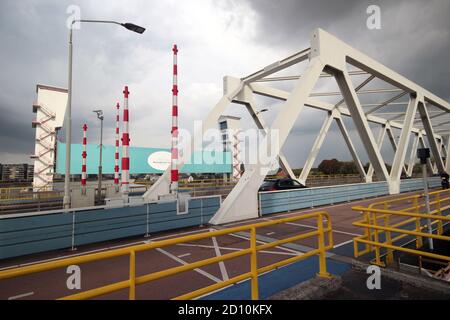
x: 216, y: 38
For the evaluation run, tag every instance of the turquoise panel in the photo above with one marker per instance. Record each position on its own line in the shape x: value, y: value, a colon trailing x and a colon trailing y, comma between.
x: 205, y: 161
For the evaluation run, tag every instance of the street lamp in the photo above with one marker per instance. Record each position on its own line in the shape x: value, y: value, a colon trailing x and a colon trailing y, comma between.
x: 68, y: 131
x: 100, y: 117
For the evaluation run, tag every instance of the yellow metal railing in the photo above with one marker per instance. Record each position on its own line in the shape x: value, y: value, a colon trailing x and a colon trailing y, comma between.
x: 378, y: 220
x: 323, y: 233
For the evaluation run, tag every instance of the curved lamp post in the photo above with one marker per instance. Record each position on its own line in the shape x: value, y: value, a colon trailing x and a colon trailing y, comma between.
x: 68, y: 131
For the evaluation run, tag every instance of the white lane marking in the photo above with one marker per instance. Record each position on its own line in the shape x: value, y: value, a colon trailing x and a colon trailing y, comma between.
x: 223, y: 269
x: 235, y: 249
x: 184, y: 255
x: 263, y: 242
x: 342, y: 244
x: 21, y: 296
x: 204, y: 273
x: 313, y: 227
x: 270, y: 233
x: 179, y: 234
x: 259, y: 241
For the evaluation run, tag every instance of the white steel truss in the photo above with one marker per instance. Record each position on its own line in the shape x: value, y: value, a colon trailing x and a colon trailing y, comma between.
x: 330, y: 57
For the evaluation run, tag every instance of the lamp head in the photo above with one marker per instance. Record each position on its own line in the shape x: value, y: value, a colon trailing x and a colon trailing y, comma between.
x: 133, y: 27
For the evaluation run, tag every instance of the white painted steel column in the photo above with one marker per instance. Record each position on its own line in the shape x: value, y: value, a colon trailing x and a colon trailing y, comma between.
x: 413, y: 155
x: 399, y: 159
x: 430, y: 136
x: 362, y: 125
x: 351, y: 147
x: 242, y: 202
x: 316, y: 148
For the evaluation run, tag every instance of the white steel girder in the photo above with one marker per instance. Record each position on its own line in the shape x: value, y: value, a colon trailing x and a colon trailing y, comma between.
x: 335, y: 114
x: 400, y: 151
x: 327, y: 55
x: 447, y: 164
x: 351, y: 147
x: 361, y: 123
x: 413, y: 155
x: 316, y: 148
x: 380, y: 140
x: 431, y: 137
x: 247, y: 98
x: 242, y: 202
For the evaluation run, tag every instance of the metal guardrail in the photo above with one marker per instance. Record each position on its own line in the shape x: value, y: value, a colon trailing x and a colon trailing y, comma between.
x: 27, y: 193
x: 377, y: 221
x: 322, y: 233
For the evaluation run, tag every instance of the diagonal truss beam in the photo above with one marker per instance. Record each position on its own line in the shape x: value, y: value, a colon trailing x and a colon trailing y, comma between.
x: 413, y: 155
x: 380, y: 140
x: 387, y: 102
x: 400, y: 154
x: 316, y: 148
x: 278, y: 66
x: 359, y: 87
x: 259, y: 121
x: 242, y: 202
x: 324, y: 106
x: 361, y: 123
x: 351, y: 147
x: 431, y: 137
x: 447, y: 164
x: 394, y: 145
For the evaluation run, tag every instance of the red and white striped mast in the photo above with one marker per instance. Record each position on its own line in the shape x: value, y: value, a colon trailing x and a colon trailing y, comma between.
x: 125, y: 145
x: 83, y: 163
x: 116, y: 158
x: 174, y: 160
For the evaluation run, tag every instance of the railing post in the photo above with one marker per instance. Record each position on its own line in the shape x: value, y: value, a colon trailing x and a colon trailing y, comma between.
x: 419, y: 242
x: 147, y: 227
x: 73, y: 230
x: 368, y: 232
x: 390, y: 252
x: 132, y: 293
x: 439, y: 212
x: 322, y: 252
x: 254, y: 264
x: 376, y: 239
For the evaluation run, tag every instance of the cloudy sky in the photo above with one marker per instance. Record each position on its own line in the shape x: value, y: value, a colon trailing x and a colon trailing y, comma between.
x: 215, y: 38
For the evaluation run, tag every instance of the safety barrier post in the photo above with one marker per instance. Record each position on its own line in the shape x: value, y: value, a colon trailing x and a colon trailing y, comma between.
x: 390, y: 252
x: 73, y: 248
x: 439, y: 212
x: 322, y: 252
x: 376, y: 239
x: 254, y: 264
x: 419, y: 241
x: 132, y: 293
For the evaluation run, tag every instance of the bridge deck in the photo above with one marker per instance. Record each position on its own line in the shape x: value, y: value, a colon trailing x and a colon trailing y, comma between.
x: 52, y: 284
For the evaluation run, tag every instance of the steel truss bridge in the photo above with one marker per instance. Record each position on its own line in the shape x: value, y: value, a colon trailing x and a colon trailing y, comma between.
x: 422, y: 118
